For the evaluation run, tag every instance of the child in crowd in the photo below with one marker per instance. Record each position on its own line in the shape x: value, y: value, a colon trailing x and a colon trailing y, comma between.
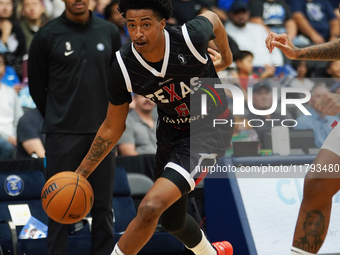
x: 301, y: 80
x: 244, y: 76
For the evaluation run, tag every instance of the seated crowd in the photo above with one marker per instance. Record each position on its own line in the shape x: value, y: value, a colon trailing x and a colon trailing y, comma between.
x: 247, y: 24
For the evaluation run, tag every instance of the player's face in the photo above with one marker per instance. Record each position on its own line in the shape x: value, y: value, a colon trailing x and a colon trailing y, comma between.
x: 146, y: 32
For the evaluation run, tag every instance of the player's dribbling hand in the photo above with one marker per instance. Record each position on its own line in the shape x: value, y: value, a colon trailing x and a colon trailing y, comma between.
x: 329, y: 104
x: 282, y: 42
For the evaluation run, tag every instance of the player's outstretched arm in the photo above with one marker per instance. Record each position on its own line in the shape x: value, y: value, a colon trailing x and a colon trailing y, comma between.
x: 221, y: 41
x: 325, y: 51
x: 107, y: 136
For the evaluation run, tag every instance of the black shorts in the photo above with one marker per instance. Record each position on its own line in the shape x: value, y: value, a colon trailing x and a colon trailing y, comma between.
x: 182, y: 159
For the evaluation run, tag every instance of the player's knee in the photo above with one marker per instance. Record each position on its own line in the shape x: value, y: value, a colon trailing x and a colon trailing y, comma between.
x: 149, y: 210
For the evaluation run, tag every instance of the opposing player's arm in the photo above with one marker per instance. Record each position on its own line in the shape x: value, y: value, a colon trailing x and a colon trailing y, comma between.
x: 221, y: 41
x: 325, y: 51
x: 107, y: 136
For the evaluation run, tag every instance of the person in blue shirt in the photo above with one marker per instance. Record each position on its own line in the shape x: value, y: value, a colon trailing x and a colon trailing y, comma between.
x: 315, y: 20
x: 318, y: 121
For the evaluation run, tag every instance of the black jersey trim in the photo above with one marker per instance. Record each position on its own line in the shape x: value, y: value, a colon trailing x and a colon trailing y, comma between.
x: 165, y: 59
x: 192, y: 47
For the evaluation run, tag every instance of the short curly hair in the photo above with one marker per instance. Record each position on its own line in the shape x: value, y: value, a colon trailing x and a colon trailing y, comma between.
x: 162, y: 8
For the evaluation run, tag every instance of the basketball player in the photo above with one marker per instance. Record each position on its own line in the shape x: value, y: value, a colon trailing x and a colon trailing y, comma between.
x: 164, y: 65
x: 319, y: 186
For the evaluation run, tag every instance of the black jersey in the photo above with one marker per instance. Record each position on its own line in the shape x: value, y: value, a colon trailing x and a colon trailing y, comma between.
x: 174, y: 83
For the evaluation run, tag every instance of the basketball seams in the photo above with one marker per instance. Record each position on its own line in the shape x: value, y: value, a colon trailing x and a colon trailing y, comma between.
x: 57, y: 193
x: 86, y: 183
x: 82, y: 189
x: 74, y: 193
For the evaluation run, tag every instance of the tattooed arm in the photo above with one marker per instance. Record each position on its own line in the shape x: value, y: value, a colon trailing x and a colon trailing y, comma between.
x: 325, y: 51
x: 107, y: 136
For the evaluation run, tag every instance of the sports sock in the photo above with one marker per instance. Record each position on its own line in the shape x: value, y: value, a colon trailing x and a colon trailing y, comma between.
x: 116, y: 250
x: 296, y: 251
x: 204, y: 247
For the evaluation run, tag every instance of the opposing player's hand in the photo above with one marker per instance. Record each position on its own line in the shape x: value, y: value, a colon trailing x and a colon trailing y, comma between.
x: 282, y: 42
x: 329, y: 104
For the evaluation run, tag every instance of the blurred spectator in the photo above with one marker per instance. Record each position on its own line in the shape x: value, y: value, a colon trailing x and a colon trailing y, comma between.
x: 30, y: 139
x: 319, y: 122
x: 301, y: 80
x: 9, y: 78
x: 226, y: 4
x: 333, y: 70
x: 315, y: 20
x: 263, y: 100
x: 250, y: 36
x: 335, y: 5
x: 92, y: 5
x: 12, y: 43
x: 10, y: 113
x: 140, y: 134
x: 185, y: 10
x: 33, y: 18
x: 100, y: 7
x: 112, y: 15
x: 275, y: 15
x: 243, y: 132
x: 54, y: 8
x: 244, y: 76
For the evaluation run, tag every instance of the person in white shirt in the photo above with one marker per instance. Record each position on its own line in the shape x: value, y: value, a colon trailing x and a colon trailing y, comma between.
x: 10, y: 113
x: 250, y: 36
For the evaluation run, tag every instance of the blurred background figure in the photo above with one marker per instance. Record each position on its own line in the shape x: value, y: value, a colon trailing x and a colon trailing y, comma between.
x: 112, y: 15
x: 250, y: 36
x: 301, y: 80
x: 33, y: 18
x: 100, y: 7
x: 185, y: 10
x: 315, y: 20
x: 263, y: 100
x: 318, y: 121
x: 12, y: 43
x: 140, y: 134
x: 29, y: 136
x: 10, y: 113
x: 274, y: 15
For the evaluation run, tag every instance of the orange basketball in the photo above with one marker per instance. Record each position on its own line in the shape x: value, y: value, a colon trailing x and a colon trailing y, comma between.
x: 67, y: 197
